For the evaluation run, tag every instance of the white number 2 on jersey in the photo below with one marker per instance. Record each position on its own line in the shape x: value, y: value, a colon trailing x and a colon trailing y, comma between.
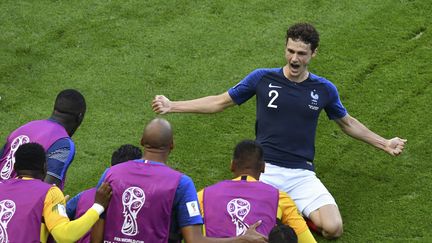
x: 273, y: 94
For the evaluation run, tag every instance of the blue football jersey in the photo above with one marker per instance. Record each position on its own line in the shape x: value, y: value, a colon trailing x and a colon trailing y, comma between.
x: 287, y: 113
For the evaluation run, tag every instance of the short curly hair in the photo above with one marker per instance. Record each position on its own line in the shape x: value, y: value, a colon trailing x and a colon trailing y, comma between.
x: 70, y: 101
x: 304, y: 32
x: 282, y: 234
x: 248, y: 154
x: 30, y: 156
x: 125, y: 153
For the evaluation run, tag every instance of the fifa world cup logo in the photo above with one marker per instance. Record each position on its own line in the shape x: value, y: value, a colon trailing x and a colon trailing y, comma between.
x: 133, y: 199
x: 7, y: 210
x: 6, y: 171
x: 238, y: 209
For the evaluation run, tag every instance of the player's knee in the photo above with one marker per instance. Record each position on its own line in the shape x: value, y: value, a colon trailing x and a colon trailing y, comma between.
x: 332, y: 228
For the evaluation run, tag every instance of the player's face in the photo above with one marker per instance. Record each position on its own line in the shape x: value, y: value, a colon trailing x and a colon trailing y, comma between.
x: 298, y: 55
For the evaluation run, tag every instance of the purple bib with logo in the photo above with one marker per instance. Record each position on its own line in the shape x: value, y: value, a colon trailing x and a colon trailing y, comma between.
x: 21, y: 207
x: 230, y: 207
x: 142, y: 201
x: 44, y: 132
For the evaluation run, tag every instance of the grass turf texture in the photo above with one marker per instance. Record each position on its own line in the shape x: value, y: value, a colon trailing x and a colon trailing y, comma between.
x: 120, y: 54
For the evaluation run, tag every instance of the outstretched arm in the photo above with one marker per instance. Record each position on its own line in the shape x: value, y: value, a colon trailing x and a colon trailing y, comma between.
x: 357, y: 130
x: 208, y: 104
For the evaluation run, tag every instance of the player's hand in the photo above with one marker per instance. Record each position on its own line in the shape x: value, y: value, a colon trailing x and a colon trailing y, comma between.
x: 161, y: 104
x: 252, y: 235
x: 103, y: 194
x: 395, y: 146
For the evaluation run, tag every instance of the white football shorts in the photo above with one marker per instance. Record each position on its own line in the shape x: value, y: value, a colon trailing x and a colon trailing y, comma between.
x: 304, y: 188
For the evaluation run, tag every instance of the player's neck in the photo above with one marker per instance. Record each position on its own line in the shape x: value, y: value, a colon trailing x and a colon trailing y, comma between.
x: 30, y: 174
x: 255, y: 175
x: 296, y: 79
x: 66, y: 122
x: 157, y: 156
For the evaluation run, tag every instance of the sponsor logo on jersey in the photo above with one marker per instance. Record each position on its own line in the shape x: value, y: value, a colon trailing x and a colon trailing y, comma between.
x: 274, y: 86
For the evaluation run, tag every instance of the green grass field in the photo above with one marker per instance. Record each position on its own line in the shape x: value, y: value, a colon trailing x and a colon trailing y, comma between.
x: 120, y: 54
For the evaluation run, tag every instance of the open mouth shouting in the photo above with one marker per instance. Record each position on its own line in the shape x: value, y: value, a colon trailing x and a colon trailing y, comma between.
x: 295, y: 67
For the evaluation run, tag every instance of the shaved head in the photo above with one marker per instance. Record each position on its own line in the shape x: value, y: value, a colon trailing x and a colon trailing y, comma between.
x: 158, y: 135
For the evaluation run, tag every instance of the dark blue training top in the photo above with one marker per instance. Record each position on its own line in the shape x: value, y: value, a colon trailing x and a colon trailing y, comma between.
x: 287, y: 113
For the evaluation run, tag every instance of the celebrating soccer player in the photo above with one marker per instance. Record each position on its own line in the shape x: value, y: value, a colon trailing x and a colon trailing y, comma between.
x: 289, y: 101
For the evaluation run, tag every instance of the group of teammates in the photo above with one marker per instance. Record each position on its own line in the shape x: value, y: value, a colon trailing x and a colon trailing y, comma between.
x: 148, y: 201
x: 289, y: 100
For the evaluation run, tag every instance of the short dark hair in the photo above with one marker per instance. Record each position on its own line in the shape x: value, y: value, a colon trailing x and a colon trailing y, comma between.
x: 70, y: 101
x: 282, y: 234
x: 124, y: 153
x: 30, y: 156
x: 304, y: 32
x: 248, y: 154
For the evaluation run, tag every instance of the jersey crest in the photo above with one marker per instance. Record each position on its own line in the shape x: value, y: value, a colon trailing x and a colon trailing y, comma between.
x: 314, y: 100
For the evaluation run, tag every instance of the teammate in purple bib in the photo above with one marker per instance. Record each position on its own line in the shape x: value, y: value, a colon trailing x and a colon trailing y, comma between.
x: 31, y: 208
x: 288, y: 103
x: 151, y: 201
x: 229, y: 207
x: 54, y: 134
x: 79, y: 204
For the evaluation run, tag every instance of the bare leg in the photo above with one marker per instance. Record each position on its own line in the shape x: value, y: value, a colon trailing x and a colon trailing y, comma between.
x: 329, y: 220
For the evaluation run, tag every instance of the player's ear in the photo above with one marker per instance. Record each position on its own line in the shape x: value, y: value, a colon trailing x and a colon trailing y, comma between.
x: 79, y: 118
x: 314, y: 53
x: 232, y: 167
x: 172, y: 145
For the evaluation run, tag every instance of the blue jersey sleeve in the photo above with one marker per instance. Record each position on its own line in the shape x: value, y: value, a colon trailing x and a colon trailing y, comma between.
x: 186, y: 203
x: 1, y: 150
x: 246, y: 88
x: 59, y: 157
x: 334, y: 108
x: 102, y: 179
x: 71, y: 206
